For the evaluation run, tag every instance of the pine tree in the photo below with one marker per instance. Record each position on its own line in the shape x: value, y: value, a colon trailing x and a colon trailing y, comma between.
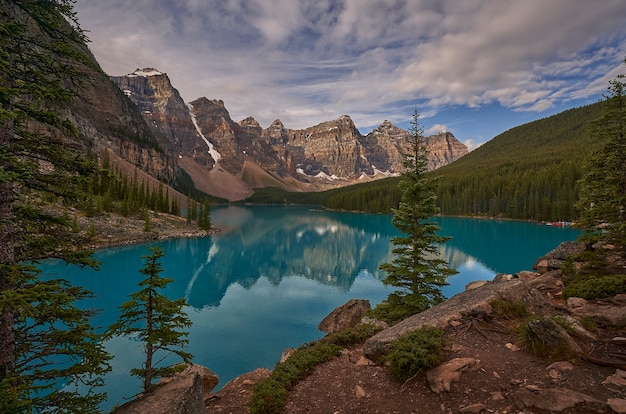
x: 204, y: 215
x: 603, y: 184
x: 416, y: 269
x: 45, y: 341
x: 155, y: 320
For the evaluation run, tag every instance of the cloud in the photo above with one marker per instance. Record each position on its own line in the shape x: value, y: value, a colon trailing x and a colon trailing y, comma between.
x: 435, y: 129
x: 307, y: 61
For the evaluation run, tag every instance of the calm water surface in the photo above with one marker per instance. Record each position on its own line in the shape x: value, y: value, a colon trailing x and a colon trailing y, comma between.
x: 265, y: 282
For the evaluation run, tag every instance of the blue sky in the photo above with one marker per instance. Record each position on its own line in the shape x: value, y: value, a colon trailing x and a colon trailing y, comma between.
x: 473, y: 67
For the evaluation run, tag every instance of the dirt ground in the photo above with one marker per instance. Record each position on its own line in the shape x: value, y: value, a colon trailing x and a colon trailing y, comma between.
x: 505, y: 378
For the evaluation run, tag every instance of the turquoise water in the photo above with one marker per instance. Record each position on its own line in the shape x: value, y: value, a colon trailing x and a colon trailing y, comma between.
x: 265, y: 282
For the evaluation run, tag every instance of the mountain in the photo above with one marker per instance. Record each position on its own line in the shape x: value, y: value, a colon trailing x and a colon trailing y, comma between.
x: 229, y: 159
x: 529, y: 172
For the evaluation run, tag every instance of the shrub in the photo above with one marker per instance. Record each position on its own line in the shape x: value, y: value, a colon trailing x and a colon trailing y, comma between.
x: 595, y: 287
x: 416, y: 350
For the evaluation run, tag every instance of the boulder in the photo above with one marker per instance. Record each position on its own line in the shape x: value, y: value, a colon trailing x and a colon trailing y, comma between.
x: 475, y: 284
x: 553, y: 336
x: 555, y: 258
x: 441, y: 377
x: 344, y: 317
x: 611, y: 312
x: 183, y: 393
x: 443, y: 314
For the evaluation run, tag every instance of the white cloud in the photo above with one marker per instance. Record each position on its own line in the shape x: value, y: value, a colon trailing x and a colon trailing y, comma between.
x: 308, y: 61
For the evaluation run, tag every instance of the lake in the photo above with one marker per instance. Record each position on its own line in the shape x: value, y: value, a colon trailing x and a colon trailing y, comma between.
x: 264, y: 283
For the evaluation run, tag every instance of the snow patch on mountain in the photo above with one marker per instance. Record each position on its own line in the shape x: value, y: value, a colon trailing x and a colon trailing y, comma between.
x: 212, y: 151
x: 145, y: 72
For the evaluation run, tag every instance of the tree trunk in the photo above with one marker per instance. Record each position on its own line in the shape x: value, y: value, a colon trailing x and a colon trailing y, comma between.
x: 7, y: 258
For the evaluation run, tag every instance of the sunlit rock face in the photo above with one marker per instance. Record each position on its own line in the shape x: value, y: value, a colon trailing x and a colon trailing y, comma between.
x: 330, y: 154
x: 444, y: 148
x: 107, y: 121
x: 165, y: 112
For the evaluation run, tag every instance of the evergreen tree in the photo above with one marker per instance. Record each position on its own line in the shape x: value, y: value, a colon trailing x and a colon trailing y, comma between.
x: 46, y: 343
x: 416, y: 270
x: 155, y: 320
x: 204, y: 215
x: 603, y: 184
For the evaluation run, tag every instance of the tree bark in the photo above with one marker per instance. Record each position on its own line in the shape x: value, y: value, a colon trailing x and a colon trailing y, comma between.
x: 7, y: 258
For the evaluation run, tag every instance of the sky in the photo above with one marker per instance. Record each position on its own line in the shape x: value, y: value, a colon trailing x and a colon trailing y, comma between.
x: 475, y: 68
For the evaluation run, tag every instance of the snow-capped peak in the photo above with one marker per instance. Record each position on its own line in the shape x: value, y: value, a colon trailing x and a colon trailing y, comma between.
x: 146, y: 72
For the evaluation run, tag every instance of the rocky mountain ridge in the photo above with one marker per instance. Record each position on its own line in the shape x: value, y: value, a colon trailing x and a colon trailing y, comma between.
x: 213, y: 149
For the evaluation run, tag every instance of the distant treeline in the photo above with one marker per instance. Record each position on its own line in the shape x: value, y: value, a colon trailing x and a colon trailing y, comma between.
x: 529, y: 172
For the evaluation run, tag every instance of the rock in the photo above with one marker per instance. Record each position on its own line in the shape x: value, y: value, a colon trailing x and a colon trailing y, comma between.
x: 617, y: 404
x: 549, y: 281
x: 496, y: 396
x: 619, y: 378
x: 553, y: 337
x: 573, y: 303
x: 346, y: 316
x: 474, y: 408
x: 234, y: 395
x: 575, y: 325
x: 527, y: 276
x: 183, y: 393
x: 554, y: 259
x: 359, y: 392
x: 371, y: 321
x: 561, y: 366
x: 512, y: 347
x: 503, y: 277
x: 607, y: 312
x: 441, y: 377
x: 364, y: 362
x: 440, y: 316
x: 551, y: 399
x: 475, y: 284
x: 286, y: 354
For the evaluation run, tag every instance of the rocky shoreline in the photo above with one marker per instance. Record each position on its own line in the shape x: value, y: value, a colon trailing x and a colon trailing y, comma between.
x: 110, y: 230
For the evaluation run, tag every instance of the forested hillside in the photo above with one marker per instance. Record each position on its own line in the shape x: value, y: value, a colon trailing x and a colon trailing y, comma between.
x: 528, y: 172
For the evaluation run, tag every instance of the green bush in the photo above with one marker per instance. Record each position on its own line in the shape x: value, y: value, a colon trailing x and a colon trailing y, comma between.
x: 416, y: 350
x: 595, y: 287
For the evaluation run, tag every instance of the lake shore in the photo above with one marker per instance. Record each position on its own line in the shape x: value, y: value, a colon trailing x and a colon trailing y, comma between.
x: 113, y: 230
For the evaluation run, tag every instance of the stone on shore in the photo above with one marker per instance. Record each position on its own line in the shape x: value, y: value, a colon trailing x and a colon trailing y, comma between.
x: 344, y: 317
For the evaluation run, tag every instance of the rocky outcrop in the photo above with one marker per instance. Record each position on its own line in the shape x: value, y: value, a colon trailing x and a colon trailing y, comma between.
x: 554, y: 259
x: 163, y: 109
x: 344, y: 317
x: 184, y: 393
x: 443, y: 148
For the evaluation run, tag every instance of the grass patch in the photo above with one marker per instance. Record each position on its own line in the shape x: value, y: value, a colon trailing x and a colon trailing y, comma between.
x: 270, y: 395
x: 540, y: 336
x: 416, y: 350
x: 504, y: 308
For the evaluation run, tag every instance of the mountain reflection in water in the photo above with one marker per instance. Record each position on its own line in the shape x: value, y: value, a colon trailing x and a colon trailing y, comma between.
x: 263, y: 283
